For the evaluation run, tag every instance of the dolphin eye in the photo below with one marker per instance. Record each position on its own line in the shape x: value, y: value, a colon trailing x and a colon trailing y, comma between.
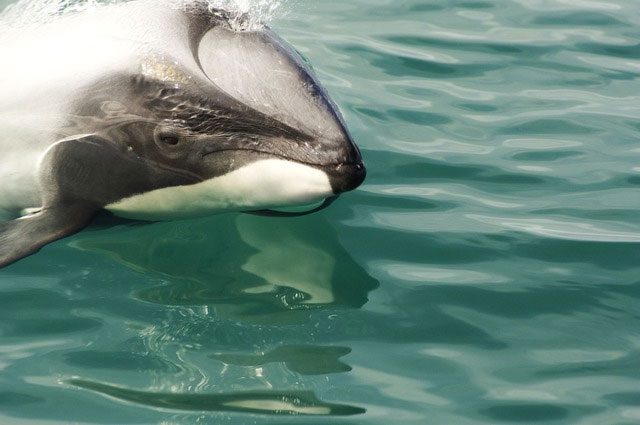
x: 170, y: 139
x: 167, y: 137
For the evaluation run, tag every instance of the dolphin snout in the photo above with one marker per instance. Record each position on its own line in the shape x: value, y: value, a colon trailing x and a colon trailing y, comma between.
x: 346, y: 177
x: 349, y: 171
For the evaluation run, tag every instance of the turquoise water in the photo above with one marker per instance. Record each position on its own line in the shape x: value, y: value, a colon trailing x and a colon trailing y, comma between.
x: 488, y: 272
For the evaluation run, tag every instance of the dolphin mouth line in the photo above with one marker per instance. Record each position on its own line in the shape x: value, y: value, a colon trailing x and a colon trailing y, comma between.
x: 273, y: 213
x: 287, y: 158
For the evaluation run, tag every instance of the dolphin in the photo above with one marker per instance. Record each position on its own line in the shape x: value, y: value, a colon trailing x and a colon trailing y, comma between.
x: 157, y: 112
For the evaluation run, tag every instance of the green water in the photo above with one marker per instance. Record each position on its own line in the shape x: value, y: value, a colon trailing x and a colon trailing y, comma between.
x: 487, y: 272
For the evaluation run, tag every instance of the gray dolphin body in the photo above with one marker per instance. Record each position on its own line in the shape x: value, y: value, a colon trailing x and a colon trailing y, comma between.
x: 155, y: 113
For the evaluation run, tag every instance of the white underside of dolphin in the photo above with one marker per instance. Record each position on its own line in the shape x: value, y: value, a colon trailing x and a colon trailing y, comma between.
x: 255, y: 186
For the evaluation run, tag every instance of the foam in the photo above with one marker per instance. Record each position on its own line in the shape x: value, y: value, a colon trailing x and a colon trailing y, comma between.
x: 243, y: 14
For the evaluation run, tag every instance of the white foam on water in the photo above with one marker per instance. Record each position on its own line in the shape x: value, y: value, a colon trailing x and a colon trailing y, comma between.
x: 27, y: 13
x: 244, y: 15
x: 248, y: 15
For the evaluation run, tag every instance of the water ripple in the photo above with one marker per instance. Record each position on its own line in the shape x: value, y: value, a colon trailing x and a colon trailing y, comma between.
x: 563, y: 229
x: 487, y: 272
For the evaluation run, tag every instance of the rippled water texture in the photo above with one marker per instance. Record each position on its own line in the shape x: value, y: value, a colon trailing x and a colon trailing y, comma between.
x: 488, y: 272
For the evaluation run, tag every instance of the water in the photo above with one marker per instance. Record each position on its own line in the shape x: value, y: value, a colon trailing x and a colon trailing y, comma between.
x: 488, y: 271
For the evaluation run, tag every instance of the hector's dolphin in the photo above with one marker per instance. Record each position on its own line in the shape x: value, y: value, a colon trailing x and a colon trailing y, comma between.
x: 156, y: 112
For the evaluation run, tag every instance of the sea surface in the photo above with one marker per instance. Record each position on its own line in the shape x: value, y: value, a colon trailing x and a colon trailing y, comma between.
x: 488, y: 272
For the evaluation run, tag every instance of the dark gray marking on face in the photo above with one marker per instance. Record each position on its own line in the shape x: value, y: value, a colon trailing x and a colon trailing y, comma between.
x: 208, y: 112
x: 192, y: 127
x: 99, y: 172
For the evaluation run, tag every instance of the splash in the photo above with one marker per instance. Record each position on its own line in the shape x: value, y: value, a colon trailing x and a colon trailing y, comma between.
x: 247, y: 15
x: 25, y: 13
x: 243, y: 15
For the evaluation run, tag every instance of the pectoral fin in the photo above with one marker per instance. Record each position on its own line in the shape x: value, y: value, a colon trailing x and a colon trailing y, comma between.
x: 25, y: 236
x: 77, y: 178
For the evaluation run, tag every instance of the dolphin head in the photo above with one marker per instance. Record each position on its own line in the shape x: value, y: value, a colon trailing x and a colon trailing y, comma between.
x: 286, y: 110
x: 251, y: 120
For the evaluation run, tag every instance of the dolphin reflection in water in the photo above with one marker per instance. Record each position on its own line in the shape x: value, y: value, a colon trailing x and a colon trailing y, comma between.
x: 229, y: 292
